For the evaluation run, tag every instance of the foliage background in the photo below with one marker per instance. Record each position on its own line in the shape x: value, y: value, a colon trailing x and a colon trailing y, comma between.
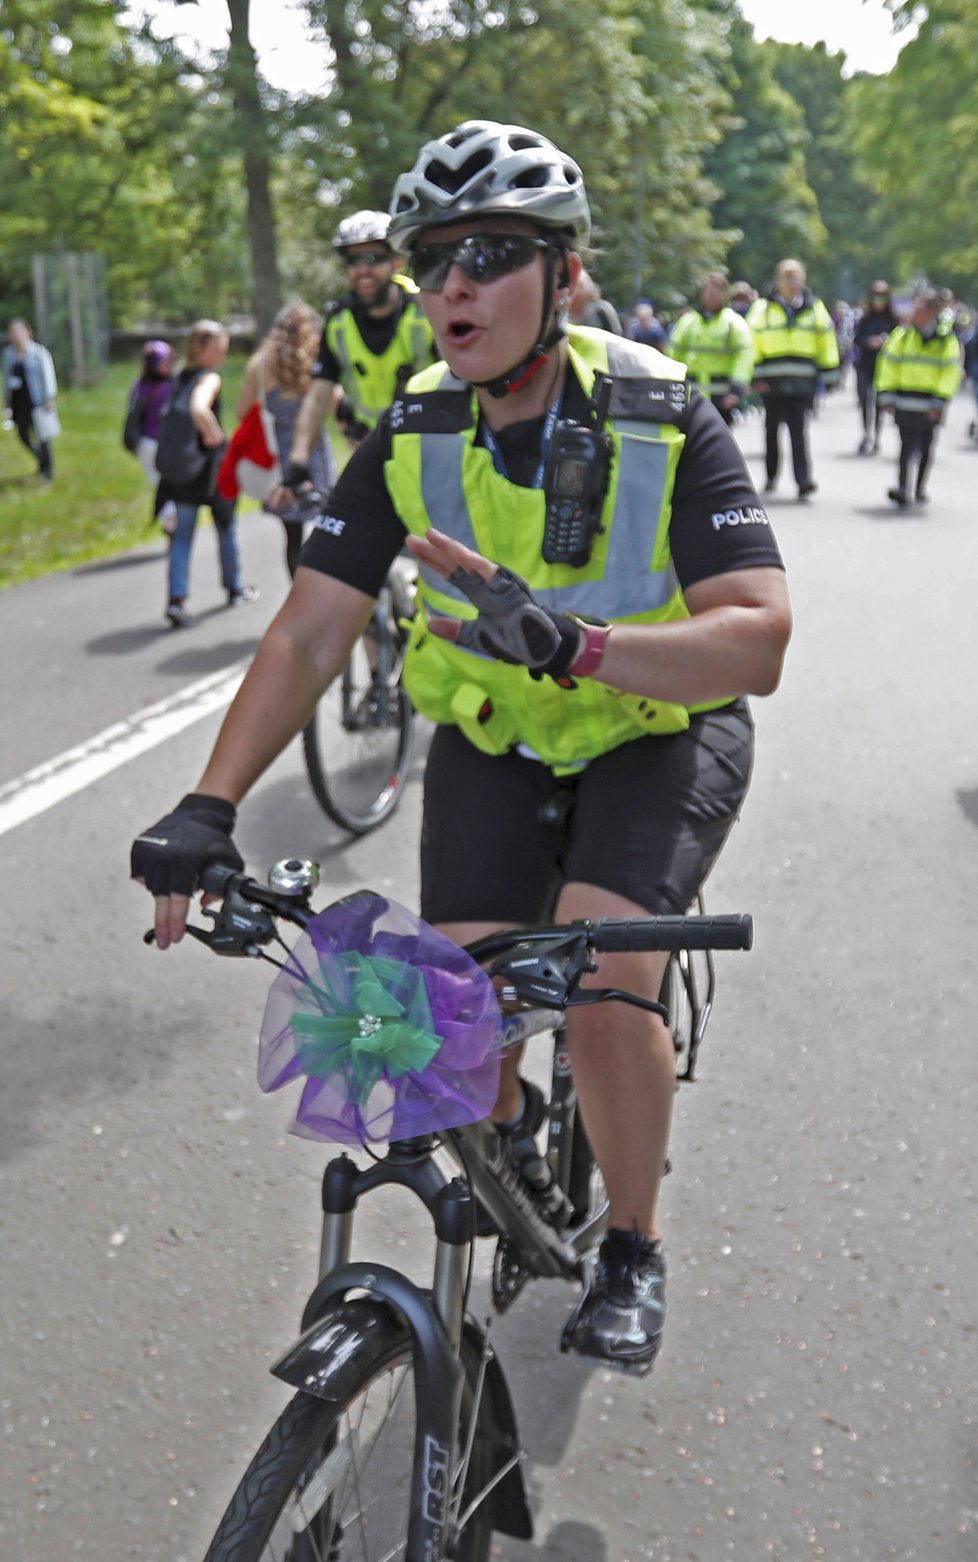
x: 209, y: 192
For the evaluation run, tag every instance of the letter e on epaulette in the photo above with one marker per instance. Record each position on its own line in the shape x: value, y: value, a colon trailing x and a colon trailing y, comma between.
x: 648, y: 401
x: 431, y: 412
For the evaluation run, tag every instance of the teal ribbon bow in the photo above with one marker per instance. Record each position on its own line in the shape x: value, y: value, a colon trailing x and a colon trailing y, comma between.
x: 370, y: 1020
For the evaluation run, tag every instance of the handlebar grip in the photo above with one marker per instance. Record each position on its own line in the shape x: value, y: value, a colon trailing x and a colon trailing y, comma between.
x: 615, y: 935
x: 216, y: 878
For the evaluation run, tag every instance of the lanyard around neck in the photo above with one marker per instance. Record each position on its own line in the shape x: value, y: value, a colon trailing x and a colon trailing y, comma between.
x: 550, y: 423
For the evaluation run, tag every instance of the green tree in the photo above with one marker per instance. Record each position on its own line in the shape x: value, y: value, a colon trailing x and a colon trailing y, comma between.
x: 917, y: 131
x: 628, y: 89
x: 857, y: 245
x: 100, y: 136
x: 759, y: 166
x: 254, y: 136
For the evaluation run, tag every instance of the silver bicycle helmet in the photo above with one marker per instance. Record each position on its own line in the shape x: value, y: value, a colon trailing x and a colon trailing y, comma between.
x: 483, y: 169
x: 362, y: 228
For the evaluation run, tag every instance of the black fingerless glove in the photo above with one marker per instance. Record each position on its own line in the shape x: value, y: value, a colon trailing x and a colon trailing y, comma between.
x: 513, y: 626
x: 171, y: 856
x: 296, y: 473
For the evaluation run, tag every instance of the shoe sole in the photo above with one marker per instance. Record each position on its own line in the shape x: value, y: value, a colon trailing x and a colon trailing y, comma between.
x: 629, y: 1369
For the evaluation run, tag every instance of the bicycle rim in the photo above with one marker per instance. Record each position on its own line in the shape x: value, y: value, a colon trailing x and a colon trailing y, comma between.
x: 358, y: 746
x: 331, y: 1485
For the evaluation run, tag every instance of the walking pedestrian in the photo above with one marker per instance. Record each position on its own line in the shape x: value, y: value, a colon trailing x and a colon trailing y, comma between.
x: 188, y: 455
x: 147, y: 398
x: 29, y: 390
x: 872, y: 328
x: 917, y: 373
x: 279, y: 374
x: 717, y: 345
x: 795, y: 348
x: 588, y: 307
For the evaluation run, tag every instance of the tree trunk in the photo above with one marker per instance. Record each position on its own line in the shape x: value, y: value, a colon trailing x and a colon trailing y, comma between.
x: 242, y: 77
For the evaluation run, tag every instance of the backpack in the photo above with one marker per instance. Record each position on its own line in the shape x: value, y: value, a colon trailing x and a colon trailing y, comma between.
x: 132, y: 428
x: 181, y: 457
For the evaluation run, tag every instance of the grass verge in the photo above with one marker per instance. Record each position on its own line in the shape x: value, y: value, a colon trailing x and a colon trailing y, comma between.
x: 100, y: 502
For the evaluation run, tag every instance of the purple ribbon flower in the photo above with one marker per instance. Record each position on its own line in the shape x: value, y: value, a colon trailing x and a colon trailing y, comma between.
x: 394, y: 1028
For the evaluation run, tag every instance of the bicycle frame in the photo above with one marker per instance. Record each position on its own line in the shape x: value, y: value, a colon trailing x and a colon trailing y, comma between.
x: 546, y: 966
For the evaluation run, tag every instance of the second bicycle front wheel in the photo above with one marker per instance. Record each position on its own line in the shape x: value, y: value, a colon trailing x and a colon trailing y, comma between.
x: 358, y: 744
x: 332, y: 1481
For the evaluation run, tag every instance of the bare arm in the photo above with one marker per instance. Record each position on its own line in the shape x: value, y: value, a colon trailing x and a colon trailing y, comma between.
x: 317, y: 401
x: 303, y: 650
x: 249, y: 387
x: 202, y: 399
x: 733, y: 643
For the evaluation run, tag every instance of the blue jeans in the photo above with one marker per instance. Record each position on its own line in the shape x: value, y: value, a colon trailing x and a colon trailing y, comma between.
x: 226, y: 527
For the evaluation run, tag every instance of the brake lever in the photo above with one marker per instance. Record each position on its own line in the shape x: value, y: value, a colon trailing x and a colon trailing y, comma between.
x: 590, y: 995
x: 240, y: 928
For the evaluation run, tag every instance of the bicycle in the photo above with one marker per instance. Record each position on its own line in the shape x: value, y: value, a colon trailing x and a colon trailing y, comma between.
x: 401, y: 1440
x: 358, y: 756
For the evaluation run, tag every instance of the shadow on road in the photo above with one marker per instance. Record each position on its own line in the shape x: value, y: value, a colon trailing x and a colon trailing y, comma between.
x: 569, y: 1541
x: 122, y: 561
x: 94, y: 1046
x: 891, y: 512
x: 968, y: 801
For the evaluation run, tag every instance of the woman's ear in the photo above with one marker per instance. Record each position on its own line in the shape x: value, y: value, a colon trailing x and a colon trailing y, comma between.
x: 568, y: 271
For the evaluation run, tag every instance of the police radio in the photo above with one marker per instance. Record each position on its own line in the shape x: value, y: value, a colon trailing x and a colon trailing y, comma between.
x: 575, y: 482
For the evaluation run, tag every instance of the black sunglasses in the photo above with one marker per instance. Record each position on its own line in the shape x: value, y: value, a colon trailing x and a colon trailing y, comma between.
x: 482, y: 258
x: 369, y: 257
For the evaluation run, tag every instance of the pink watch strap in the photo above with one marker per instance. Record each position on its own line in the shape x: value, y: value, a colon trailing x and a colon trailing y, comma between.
x: 589, y: 657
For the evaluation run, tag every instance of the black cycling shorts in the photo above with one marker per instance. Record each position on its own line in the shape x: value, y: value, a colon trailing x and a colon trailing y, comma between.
x: 501, y: 834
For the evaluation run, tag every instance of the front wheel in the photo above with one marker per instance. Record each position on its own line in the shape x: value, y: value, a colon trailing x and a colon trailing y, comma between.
x: 332, y: 1483
x: 358, y: 744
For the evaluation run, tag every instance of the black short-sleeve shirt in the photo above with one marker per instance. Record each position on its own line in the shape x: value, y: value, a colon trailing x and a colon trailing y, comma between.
x: 718, y: 523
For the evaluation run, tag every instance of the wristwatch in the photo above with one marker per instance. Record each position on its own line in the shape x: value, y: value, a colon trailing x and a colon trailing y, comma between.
x: 588, y: 658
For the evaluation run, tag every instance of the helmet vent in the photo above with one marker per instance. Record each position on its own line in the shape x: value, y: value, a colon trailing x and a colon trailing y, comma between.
x: 531, y: 179
x: 453, y: 179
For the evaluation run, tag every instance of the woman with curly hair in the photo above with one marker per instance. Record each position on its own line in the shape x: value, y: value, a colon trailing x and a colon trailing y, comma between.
x: 280, y: 372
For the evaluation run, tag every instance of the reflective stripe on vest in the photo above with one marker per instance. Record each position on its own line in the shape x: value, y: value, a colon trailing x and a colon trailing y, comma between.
x: 622, y: 593
x: 446, y: 479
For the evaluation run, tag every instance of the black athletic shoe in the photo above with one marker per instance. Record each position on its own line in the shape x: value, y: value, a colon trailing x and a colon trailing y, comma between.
x: 177, y: 615
x: 805, y: 489
x: 622, y: 1318
x: 770, y: 485
x: 897, y: 495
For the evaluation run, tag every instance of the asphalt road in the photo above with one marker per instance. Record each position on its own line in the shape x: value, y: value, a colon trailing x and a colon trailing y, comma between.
x: 816, y: 1395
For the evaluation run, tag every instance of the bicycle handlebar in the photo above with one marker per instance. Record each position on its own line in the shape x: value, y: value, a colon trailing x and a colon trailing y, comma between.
x: 244, y: 922
x: 614, y: 935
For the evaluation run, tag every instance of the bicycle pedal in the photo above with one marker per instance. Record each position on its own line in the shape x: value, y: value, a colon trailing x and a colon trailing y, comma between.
x: 509, y: 1275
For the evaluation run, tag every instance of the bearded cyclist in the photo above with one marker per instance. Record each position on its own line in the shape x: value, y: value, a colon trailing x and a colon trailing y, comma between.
x: 373, y: 338
x: 600, y: 589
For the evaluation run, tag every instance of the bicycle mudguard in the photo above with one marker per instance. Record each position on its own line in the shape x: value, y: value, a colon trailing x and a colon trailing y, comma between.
x: 327, y: 1362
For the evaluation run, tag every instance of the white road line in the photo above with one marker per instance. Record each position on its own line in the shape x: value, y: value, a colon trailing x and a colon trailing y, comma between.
x: 50, y: 783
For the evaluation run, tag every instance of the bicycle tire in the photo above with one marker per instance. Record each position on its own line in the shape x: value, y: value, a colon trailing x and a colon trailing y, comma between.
x: 318, y: 1446
x: 357, y: 759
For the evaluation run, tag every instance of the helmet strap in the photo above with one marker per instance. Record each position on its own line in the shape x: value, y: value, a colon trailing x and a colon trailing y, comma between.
x: 550, y: 333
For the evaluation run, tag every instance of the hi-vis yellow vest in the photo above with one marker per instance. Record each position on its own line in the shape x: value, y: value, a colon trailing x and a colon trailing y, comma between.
x: 438, y: 476
x: 372, y: 380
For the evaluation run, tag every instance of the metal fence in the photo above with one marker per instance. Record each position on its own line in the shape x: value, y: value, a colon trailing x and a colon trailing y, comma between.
x: 71, y: 312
